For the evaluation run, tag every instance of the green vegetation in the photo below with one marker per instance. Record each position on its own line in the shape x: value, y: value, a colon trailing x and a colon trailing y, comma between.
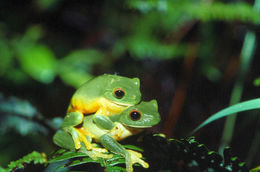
x: 196, y: 57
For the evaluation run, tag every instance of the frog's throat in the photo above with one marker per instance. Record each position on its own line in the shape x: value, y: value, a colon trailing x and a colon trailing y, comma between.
x: 134, y: 129
x: 113, y: 107
x: 121, y: 104
x: 102, y: 105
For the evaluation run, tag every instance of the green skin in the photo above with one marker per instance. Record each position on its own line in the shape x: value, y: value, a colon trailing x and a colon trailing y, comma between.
x: 97, y: 96
x: 103, y: 86
x: 104, y: 130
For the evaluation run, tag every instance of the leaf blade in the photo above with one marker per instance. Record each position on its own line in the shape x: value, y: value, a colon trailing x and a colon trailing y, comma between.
x: 240, y: 107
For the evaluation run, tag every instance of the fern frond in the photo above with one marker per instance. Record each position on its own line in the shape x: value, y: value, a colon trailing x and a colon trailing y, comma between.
x: 226, y: 12
x: 35, y: 157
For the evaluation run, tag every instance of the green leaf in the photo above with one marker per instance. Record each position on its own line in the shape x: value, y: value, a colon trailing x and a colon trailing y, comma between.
x: 144, y: 46
x: 32, y: 34
x: 240, y: 107
x: 19, y: 115
x: 3, y: 170
x: 38, y: 61
x: 65, y: 155
x: 75, y: 68
x: 133, y: 148
x: 17, y: 75
x: 257, y: 82
x: 199, y: 10
x: 35, y: 157
x: 6, y: 56
x: 83, y: 161
x: 255, y: 169
x: 115, y: 160
x: 222, y: 11
x: 47, y: 4
x: 75, y: 78
x: 115, y: 169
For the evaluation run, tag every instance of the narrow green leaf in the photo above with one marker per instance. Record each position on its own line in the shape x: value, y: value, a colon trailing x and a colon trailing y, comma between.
x: 115, y: 169
x: 133, y: 148
x: 117, y: 159
x: 255, y: 169
x: 240, y: 107
x: 83, y: 161
x: 65, y: 156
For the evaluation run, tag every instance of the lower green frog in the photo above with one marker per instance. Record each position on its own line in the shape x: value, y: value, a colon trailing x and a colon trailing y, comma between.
x: 109, y: 130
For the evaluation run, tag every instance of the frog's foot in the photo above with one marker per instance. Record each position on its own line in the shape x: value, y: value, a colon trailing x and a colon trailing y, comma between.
x: 134, y: 157
x: 75, y: 137
x: 96, y: 153
x: 82, y: 137
x: 100, y: 153
x: 77, y: 143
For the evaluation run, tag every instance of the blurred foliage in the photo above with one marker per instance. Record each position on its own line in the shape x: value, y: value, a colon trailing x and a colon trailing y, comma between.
x: 257, y: 82
x: 25, y: 55
x: 19, y: 115
x: 75, y: 68
x: 195, y: 157
x: 71, y: 159
x: 49, y: 40
x: 35, y: 157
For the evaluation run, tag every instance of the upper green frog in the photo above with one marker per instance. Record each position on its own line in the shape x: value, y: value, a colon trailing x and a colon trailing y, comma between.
x: 109, y: 130
x: 103, y: 95
x: 106, y: 94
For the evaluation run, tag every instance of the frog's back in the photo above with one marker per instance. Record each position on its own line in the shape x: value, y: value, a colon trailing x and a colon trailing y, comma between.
x: 113, y: 93
x: 87, y: 95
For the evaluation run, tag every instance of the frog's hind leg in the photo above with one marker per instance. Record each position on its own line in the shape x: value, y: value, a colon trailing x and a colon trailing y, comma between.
x: 91, y: 149
x: 131, y: 157
x: 71, y: 120
x: 64, y: 140
x: 82, y: 136
x: 94, y: 154
x: 135, y: 157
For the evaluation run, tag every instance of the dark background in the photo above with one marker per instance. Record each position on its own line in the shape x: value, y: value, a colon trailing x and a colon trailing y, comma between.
x: 186, y: 54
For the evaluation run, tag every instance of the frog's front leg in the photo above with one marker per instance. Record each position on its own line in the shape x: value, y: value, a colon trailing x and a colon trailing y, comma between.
x: 69, y: 124
x: 131, y: 157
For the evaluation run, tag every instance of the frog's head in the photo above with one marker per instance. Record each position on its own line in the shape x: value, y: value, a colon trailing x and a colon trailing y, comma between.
x: 122, y: 90
x: 143, y: 115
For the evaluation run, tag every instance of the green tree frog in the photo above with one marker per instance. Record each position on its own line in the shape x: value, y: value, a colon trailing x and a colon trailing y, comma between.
x: 109, y: 129
x: 104, y: 95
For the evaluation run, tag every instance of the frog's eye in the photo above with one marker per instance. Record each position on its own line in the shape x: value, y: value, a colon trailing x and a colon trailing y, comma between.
x: 119, y: 93
x: 135, y: 115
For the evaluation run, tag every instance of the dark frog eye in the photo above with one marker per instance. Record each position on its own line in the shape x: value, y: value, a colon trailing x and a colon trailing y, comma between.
x: 119, y: 93
x: 135, y: 115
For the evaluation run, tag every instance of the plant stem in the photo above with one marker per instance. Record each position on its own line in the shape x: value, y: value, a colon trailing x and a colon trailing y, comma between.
x: 246, y: 58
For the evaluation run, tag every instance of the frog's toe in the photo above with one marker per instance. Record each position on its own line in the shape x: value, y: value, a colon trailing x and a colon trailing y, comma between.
x: 136, y: 158
x: 77, y: 144
x: 100, y: 150
x: 95, y: 154
x: 101, y: 153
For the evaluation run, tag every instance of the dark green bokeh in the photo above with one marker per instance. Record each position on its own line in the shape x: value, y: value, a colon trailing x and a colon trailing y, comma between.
x: 50, y: 47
